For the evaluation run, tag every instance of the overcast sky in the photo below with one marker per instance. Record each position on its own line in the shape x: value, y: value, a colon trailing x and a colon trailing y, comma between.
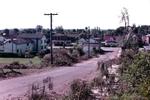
x: 72, y: 13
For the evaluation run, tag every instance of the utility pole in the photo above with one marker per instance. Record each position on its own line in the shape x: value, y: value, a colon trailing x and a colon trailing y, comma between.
x: 51, y: 31
x: 88, y: 33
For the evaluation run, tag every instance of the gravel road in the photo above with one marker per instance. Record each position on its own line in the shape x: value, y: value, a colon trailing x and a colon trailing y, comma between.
x: 61, y: 76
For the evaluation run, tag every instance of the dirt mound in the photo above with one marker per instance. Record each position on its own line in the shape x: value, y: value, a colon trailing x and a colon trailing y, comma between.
x: 15, y: 65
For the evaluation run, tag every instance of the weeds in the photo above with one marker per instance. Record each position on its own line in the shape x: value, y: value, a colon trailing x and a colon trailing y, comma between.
x: 80, y: 90
x: 41, y: 92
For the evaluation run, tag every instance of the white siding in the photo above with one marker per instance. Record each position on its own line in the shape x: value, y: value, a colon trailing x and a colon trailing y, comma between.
x: 17, y: 48
x: 2, y: 38
x: 1, y: 48
x: 22, y: 48
x: 85, y: 47
x: 42, y: 43
x: 9, y: 47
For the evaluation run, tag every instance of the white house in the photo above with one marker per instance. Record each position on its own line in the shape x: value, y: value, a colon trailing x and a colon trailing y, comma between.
x: 39, y: 40
x: 85, y: 44
x: 22, y: 43
x: 18, y: 46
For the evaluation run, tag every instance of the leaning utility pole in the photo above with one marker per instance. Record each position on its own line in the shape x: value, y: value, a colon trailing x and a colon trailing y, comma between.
x: 51, y: 31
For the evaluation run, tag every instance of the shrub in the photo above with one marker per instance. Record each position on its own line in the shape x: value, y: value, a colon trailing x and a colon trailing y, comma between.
x: 42, y: 53
x: 80, y: 51
x: 80, y: 90
x: 41, y: 92
x: 128, y: 97
x: 98, y: 82
x: 46, y: 60
x: 85, y: 57
x: 61, y: 58
x: 137, y: 74
x: 135, y: 68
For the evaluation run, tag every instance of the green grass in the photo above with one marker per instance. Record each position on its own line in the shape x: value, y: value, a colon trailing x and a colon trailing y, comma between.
x: 34, y: 60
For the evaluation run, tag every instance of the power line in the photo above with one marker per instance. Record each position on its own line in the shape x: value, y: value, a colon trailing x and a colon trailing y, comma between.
x: 51, y: 30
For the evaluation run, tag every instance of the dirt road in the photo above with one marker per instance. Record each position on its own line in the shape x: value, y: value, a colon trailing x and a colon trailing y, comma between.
x: 61, y: 76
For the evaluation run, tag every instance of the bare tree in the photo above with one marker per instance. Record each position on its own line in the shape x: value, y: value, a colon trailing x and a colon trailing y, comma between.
x: 125, y: 17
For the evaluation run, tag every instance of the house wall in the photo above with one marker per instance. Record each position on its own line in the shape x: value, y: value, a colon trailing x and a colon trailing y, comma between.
x: 42, y: 43
x: 1, y: 48
x: 85, y: 47
x: 22, y: 48
x: 2, y: 38
x: 9, y: 47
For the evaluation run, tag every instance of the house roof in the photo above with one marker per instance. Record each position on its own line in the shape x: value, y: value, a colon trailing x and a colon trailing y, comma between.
x: 18, y: 41
x: 108, y: 37
x: 92, y: 41
x: 21, y: 41
x: 58, y: 34
x: 30, y: 36
x: 82, y: 40
x: 8, y: 36
x: 73, y: 35
x: 67, y: 34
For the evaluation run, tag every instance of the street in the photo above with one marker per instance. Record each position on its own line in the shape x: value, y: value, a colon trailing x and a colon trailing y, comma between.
x: 61, y: 76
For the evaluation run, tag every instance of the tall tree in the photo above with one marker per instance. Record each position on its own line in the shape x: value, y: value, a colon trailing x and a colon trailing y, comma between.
x: 59, y: 29
x: 6, y: 31
x: 39, y: 28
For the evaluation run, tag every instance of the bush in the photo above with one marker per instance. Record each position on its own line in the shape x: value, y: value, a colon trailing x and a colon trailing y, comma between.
x: 42, y: 53
x: 131, y: 42
x: 61, y: 58
x: 80, y: 51
x: 135, y: 68
x: 128, y: 97
x: 85, y: 57
x: 80, y: 90
x: 98, y: 82
x: 137, y: 74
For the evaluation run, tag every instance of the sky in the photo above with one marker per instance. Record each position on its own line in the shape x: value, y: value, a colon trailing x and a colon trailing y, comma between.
x: 72, y: 14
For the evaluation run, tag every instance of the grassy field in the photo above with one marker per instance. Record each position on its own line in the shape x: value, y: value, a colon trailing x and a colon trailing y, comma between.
x: 34, y: 60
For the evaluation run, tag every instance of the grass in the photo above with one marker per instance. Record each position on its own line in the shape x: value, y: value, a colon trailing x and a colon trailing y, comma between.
x: 34, y: 60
